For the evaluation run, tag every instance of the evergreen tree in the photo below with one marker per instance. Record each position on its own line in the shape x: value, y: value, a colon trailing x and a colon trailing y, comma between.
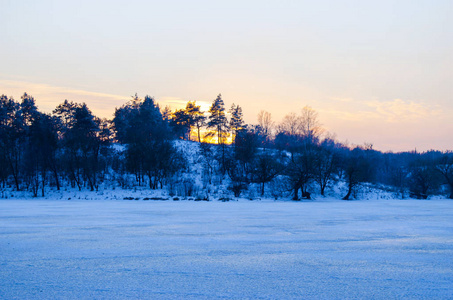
x: 236, y: 120
x: 140, y: 125
x: 28, y: 110
x: 196, y: 117
x: 181, y: 124
x: 65, y: 112
x: 166, y: 113
x: 40, y: 154
x: 31, y: 161
x: 11, y: 133
x: 218, y: 120
x: 83, y: 142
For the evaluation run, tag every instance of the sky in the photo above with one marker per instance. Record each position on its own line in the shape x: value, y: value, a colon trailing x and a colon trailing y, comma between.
x: 378, y: 72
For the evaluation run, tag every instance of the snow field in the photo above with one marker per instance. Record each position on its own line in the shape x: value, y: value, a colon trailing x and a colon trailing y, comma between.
x: 324, y: 249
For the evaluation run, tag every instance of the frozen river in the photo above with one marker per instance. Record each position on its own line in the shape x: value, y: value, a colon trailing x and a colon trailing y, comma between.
x: 329, y: 249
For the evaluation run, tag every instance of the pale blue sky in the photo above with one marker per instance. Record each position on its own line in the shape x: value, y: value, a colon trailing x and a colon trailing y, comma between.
x: 376, y: 71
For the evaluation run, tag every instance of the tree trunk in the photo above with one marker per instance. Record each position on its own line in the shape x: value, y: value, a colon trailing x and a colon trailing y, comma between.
x: 450, y: 183
x: 296, y: 193
x: 57, y: 182
x: 150, y: 181
x: 43, y: 181
x: 349, y: 193
x: 16, y: 178
x: 90, y: 183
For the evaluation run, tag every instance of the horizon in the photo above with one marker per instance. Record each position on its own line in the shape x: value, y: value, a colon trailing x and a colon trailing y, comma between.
x: 376, y: 73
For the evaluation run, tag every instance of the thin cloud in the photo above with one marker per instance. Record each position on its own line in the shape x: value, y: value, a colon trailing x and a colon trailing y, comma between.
x: 399, y: 110
x: 40, y: 88
x: 179, y: 103
x: 102, y: 104
x: 342, y: 99
x: 48, y: 97
x: 392, y: 111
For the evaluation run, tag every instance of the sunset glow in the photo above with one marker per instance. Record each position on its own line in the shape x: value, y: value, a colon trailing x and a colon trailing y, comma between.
x: 376, y: 72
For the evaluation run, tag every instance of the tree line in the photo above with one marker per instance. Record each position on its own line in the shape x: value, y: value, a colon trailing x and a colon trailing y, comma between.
x: 293, y: 158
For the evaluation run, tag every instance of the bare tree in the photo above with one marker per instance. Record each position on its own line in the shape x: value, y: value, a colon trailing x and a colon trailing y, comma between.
x: 300, y: 171
x: 327, y: 161
x: 445, y: 167
x: 266, y: 125
x: 305, y: 125
x: 291, y: 124
x: 266, y: 167
x: 357, y: 168
x: 310, y: 126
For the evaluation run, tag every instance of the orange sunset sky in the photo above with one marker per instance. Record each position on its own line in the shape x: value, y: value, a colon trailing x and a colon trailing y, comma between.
x: 376, y: 71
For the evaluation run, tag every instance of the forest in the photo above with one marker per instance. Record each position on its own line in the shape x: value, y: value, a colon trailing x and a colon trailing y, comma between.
x: 295, y: 158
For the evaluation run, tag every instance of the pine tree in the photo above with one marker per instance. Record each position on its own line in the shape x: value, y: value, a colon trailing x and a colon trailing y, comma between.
x: 236, y: 120
x: 11, y: 133
x: 40, y: 153
x: 140, y: 125
x: 218, y: 120
x: 28, y: 109
x: 181, y: 123
x: 65, y: 112
x: 83, y: 144
x: 196, y: 117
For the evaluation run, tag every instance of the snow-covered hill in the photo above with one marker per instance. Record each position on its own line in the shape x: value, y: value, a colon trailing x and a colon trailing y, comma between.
x: 199, y: 180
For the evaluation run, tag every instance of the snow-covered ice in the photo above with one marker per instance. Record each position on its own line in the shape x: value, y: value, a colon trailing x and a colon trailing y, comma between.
x: 324, y: 249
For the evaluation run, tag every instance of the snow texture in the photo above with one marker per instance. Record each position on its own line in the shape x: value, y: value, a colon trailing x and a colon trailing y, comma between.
x: 324, y: 249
